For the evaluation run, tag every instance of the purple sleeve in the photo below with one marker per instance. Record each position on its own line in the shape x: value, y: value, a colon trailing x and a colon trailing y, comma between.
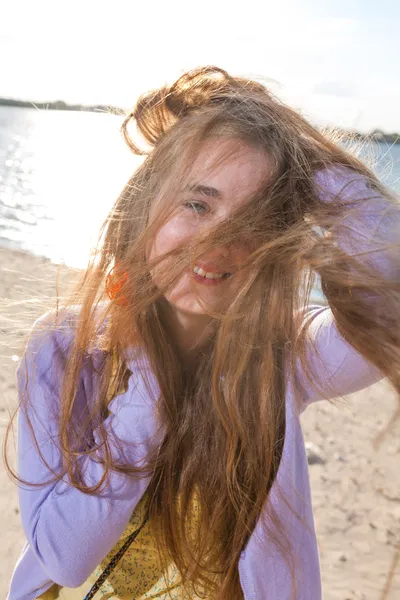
x: 71, y: 532
x: 336, y: 367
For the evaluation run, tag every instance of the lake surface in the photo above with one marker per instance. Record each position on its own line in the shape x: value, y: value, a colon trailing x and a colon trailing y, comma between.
x: 61, y: 171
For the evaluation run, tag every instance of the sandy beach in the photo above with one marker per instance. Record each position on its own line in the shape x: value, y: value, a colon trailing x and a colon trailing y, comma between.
x: 356, y: 489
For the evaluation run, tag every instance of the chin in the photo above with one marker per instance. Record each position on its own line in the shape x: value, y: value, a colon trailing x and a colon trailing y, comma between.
x: 185, y: 299
x: 189, y: 305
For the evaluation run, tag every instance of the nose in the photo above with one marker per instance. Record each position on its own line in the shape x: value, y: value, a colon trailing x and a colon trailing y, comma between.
x: 218, y: 254
x: 220, y: 259
x: 221, y: 251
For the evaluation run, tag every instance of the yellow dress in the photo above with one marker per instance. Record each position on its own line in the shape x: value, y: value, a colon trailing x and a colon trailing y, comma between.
x: 137, y: 576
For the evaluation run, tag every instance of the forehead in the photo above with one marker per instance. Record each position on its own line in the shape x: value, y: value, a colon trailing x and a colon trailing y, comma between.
x: 232, y: 167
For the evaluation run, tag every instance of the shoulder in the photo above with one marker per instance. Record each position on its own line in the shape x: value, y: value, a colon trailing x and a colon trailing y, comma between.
x: 46, y: 352
x: 52, y: 333
x: 51, y: 341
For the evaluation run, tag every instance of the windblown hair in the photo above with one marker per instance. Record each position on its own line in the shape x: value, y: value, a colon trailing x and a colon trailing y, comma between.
x: 224, y: 418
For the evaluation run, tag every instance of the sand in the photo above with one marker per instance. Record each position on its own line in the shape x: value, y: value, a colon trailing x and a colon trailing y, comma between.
x: 356, y: 489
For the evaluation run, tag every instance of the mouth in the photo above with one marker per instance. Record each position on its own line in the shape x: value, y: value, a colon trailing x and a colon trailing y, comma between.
x: 209, y: 277
x: 210, y: 274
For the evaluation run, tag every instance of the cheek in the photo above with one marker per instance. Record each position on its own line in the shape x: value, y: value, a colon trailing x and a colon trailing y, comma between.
x: 238, y: 255
x: 167, y: 238
x: 170, y: 236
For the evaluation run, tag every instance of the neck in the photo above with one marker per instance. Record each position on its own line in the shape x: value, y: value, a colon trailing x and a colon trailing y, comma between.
x: 191, y: 333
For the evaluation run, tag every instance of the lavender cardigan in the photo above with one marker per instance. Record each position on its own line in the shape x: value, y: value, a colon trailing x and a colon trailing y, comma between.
x: 68, y: 533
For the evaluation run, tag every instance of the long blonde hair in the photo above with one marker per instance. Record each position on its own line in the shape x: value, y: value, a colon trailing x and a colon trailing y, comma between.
x: 223, y: 420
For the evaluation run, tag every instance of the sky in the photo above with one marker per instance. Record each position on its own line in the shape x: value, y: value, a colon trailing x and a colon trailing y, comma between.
x: 334, y: 60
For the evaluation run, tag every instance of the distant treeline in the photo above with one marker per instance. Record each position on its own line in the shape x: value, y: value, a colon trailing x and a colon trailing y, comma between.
x: 377, y: 134
x: 59, y: 105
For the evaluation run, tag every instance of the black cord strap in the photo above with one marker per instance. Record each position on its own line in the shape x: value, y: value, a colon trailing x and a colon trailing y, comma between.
x: 115, y: 559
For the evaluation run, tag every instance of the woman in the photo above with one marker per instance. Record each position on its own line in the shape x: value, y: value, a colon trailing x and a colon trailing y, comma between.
x: 159, y: 434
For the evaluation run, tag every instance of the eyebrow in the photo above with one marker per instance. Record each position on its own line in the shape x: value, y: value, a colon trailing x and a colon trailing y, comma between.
x: 205, y: 190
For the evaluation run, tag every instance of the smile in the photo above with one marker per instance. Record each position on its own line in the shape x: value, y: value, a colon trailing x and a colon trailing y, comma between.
x: 209, y: 277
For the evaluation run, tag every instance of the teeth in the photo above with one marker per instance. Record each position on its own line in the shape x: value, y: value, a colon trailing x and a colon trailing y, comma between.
x: 206, y: 275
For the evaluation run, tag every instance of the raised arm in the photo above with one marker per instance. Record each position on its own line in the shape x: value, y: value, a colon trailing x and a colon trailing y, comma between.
x: 335, y: 366
x: 69, y: 531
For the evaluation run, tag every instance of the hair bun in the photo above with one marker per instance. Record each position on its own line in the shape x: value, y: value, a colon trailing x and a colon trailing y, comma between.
x: 157, y: 110
x: 150, y: 117
x: 198, y: 88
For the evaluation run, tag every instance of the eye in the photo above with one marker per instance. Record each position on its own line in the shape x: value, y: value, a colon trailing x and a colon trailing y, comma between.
x: 198, y: 207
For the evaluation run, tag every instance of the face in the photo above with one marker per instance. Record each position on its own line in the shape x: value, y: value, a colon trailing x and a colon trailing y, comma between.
x: 211, y: 196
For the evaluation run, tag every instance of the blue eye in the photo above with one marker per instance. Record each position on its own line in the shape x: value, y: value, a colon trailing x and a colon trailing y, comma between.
x: 198, y: 207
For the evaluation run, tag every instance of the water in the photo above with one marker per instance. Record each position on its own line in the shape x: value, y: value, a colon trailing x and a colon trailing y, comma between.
x: 60, y: 172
